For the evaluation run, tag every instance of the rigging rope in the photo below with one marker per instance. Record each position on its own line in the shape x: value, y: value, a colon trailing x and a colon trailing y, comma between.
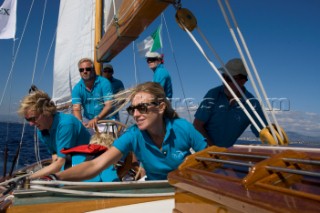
x: 9, y: 76
x: 134, y: 63
x: 175, y: 62
x: 15, y: 57
x: 256, y: 75
x: 232, y: 79
x: 9, y: 109
x: 47, y: 58
x: 36, y: 142
x: 187, y: 22
x: 100, y: 194
x: 38, y: 45
x: 10, y: 89
x: 246, y: 66
x: 220, y: 76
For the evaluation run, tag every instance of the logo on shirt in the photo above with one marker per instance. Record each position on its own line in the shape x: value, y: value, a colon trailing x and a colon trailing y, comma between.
x: 178, y: 155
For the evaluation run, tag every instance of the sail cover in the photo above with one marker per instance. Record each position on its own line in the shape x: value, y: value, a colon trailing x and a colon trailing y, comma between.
x: 75, y: 40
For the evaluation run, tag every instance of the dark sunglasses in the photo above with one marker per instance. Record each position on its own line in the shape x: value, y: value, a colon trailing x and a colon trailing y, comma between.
x: 32, y: 119
x: 88, y: 69
x: 142, y: 107
x: 108, y: 70
x: 241, y: 77
x: 149, y: 60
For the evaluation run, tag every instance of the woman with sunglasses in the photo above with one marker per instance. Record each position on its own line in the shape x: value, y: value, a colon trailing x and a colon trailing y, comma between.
x: 159, y: 139
x: 56, y: 130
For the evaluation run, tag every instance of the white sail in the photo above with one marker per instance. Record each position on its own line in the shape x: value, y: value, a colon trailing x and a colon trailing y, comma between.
x: 75, y: 40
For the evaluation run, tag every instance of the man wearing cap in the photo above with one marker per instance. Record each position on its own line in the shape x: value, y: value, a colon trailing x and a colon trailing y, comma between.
x: 160, y: 74
x: 92, y: 93
x: 219, y: 118
x: 116, y: 84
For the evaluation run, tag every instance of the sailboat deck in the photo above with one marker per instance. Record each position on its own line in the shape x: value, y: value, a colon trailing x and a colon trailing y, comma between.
x: 248, y: 182
x: 36, y: 200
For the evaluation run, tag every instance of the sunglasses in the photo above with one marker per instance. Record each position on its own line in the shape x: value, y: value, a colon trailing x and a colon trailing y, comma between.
x: 150, y: 60
x: 88, y: 69
x: 142, y: 107
x: 108, y: 70
x: 33, y: 119
x: 235, y: 78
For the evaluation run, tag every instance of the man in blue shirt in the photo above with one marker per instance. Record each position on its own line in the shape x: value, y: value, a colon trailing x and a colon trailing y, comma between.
x: 92, y: 93
x: 219, y: 118
x: 56, y: 130
x: 116, y: 84
x: 161, y: 74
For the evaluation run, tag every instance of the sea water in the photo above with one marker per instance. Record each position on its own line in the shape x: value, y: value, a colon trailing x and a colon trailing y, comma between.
x: 11, y: 137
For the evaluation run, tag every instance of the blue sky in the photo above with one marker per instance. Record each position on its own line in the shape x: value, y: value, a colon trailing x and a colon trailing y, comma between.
x: 282, y: 36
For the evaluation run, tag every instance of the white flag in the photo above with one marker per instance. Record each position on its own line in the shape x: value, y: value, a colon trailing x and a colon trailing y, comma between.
x: 8, y: 19
x: 151, y: 43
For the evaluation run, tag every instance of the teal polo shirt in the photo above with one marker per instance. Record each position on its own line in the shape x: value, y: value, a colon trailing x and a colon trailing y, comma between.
x: 66, y: 131
x: 224, y: 123
x: 180, y: 137
x: 117, y: 86
x: 92, y: 101
x: 162, y: 76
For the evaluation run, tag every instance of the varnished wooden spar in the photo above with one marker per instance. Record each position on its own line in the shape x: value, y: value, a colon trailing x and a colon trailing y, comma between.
x: 234, y: 180
x: 134, y: 18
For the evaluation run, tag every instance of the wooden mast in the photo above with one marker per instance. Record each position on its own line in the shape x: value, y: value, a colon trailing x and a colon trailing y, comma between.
x: 98, y: 33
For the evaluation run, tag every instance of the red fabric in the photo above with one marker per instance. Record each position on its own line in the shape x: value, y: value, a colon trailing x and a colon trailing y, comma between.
x: 90, y: 149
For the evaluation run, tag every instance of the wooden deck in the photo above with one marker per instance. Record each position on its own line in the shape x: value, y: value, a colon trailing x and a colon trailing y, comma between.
x: 232, y: 180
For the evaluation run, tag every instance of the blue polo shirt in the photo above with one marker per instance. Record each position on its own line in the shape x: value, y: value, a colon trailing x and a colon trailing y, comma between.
x: 180, y: 137
x: 162, y: 76
x: 92, y: 101
x: 66, y: 131
x: 224, y: 123
x: 117, y: 86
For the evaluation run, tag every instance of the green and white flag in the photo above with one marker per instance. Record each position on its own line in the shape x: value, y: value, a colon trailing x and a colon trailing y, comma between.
x: 151, y: 43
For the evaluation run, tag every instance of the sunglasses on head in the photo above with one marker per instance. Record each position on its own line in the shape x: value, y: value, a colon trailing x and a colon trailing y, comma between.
x: 142, y: 107
x: 88, y: 69
x: 149, y: 60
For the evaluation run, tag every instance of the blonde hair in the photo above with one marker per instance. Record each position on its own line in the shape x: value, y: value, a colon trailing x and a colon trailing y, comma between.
x: 122, y: 98
x: 103, y: 139
x: 38, y: 101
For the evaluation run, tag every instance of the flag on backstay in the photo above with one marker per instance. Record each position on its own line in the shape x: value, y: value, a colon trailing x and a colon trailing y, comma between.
x: 8, y: 19
x: 151, y: 43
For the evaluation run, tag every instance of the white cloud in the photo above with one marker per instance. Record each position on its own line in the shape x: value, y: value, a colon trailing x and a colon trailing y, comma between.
x: 303, y: 123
